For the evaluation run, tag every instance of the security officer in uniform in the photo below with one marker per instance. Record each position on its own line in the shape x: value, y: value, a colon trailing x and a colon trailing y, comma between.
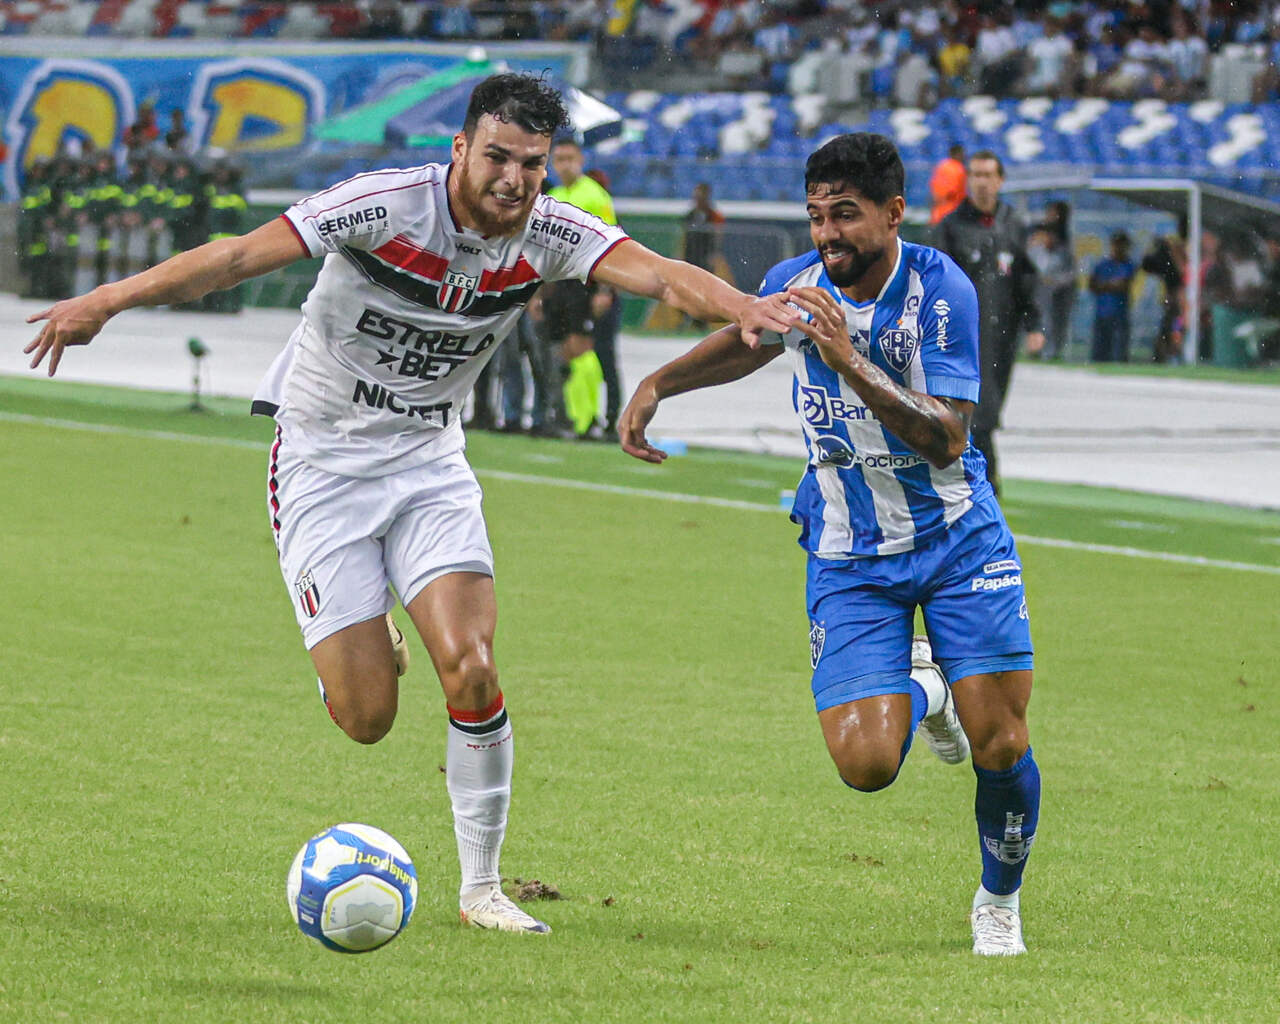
x: 103, y: 211
x: 34, y: 213
x: 986, y: 238
x: 227, y: 214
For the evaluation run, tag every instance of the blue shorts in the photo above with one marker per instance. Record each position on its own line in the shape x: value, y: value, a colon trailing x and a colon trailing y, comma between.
x: 862, y: 611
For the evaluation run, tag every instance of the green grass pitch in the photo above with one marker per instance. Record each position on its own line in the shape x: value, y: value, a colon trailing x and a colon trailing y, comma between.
x: 164, y: 754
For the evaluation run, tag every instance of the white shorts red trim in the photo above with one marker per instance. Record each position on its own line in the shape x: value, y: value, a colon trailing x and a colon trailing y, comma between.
x: 346, y: 542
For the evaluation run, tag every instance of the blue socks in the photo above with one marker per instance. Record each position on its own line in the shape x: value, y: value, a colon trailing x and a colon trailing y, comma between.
x: 919, y: 705
x: 1007, y: 806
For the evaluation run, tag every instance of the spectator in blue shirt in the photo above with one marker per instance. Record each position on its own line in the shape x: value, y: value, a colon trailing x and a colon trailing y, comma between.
x: 1110, y: 283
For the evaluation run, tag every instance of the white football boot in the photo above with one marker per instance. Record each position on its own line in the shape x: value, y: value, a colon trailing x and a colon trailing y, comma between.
x: 997, y: 931
x: 489, y: 907
x: 398, y: 646
x: 942, y: 729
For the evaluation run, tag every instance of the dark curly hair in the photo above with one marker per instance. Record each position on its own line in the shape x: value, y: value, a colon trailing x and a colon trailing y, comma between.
x: 863, y: 161
x: 524, y: 100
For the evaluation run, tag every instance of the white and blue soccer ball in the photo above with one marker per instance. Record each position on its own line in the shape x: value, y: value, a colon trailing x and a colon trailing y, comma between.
x: 352, y: 888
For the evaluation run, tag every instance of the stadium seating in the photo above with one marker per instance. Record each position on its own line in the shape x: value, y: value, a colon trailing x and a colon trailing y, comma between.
x: 751, y: 146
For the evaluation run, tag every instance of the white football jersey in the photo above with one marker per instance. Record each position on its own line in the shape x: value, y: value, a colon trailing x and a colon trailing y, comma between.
x: 405, y: 313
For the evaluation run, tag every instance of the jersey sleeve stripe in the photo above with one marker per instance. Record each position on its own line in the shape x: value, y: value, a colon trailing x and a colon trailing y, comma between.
x: 297, y: 234
x: 366, y: 174
x: 616, y: 242
x: 578, y: 223
x: 366, y: 195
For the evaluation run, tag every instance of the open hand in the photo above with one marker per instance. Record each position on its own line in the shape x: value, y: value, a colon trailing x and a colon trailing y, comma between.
x: 631, y: 424
x: 69, y: 322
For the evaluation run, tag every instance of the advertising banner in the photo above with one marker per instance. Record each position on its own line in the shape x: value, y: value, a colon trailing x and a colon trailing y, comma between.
x: 242, y: 100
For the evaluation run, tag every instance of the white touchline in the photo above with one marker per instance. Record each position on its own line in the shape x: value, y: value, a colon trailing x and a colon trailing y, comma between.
x: 640, y: 492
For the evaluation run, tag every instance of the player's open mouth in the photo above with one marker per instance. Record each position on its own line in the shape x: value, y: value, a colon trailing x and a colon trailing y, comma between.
x: 837, y: 255
x: 506, y: 200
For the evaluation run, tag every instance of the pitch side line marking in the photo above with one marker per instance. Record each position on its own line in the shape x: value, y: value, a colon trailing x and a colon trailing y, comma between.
x: 641, y: 492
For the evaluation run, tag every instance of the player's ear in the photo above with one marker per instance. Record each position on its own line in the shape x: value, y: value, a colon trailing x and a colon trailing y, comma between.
x: 459, y: 149
x: 897, y: 209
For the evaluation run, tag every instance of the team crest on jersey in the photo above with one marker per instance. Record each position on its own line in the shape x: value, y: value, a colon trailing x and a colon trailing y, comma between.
x: 817, y: 638
x: 813, y: 406
x: 308, y: 594
x: 898, y: 346
x: 457, y: 291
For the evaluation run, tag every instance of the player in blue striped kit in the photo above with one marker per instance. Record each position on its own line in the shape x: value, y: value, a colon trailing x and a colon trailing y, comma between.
x: 894, y: 510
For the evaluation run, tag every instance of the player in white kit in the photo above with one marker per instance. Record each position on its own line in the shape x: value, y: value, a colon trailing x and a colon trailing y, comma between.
x: 425, y: 272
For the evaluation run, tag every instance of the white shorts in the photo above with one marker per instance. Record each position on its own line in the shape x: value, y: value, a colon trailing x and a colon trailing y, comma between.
x: 343, y: 540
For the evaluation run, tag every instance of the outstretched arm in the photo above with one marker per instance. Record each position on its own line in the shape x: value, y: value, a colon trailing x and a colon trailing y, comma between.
x: 181, y: 278
x: 692, y: 290
x: 717, y: 359
x: 935, y: 428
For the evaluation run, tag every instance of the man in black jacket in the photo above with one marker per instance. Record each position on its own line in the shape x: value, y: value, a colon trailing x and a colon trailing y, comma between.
x: 985, y: 237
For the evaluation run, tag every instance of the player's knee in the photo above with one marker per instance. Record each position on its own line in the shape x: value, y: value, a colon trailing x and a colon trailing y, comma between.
x: 366, y: 725
x: 470, y: 679
x: 868, y: 770
x: 999, y: 749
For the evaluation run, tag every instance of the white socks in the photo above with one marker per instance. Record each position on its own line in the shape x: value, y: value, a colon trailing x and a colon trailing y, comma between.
x: 983, y: 898
x: 478, y: 776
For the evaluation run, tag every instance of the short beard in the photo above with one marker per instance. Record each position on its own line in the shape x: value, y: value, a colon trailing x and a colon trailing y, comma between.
x: 859, y: 264
x: 488, y: 225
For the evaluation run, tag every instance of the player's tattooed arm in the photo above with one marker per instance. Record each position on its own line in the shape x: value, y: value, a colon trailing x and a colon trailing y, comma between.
x: 935, y: 428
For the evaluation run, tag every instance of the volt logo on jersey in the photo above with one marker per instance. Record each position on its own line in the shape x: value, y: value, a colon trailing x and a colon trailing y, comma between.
x: 898, y: 347
x: 457, y: 291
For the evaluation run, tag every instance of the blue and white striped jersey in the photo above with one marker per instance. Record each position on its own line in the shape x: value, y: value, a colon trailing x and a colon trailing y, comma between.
x: 864, y: 491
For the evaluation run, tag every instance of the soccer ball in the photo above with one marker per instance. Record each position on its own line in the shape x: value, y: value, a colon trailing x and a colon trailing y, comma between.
x: 352, y: 888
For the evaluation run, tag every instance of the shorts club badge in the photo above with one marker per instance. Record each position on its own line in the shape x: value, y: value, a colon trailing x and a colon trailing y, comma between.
x: 817, y: 637
x: 308, y: 593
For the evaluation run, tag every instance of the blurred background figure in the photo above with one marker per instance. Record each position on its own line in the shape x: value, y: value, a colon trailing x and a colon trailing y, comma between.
x: 703, y: 233
x: 1051, y: 252
x: 590, y: 347
x: 947, y: 184
x: 988, y: 241
x: 1166, y: 261
x: 1110, y: 282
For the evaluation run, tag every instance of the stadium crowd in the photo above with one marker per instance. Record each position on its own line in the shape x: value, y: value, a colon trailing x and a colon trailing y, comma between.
x: 895, y: 50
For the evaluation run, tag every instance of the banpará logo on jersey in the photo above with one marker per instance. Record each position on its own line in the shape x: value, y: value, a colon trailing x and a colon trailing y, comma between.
x: 942, y: 310
x: 836, y: 451
x: 817, y: 640
x: 370, y: 217
x: 912, y: 308
x: 820, y: 409
x: 898, y: 346
x: 457, y: 291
